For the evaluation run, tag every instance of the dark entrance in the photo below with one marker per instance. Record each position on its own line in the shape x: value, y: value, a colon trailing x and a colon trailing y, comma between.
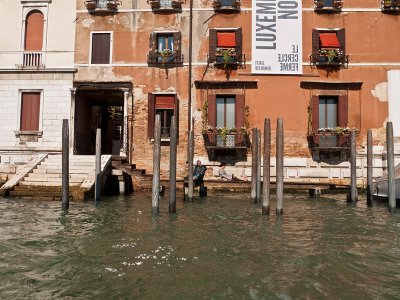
x: 99, y: 108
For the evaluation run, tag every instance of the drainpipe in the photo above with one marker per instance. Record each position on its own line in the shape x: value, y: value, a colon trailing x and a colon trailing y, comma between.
x: 190, y: 68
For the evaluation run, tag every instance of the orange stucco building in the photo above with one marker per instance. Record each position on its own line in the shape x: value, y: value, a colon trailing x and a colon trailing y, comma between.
x: 132, y: 61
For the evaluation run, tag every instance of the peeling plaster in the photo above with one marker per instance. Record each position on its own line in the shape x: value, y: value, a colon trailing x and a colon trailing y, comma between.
x: 380, y: 91
x: 124, y: 21
x: 87, y: 22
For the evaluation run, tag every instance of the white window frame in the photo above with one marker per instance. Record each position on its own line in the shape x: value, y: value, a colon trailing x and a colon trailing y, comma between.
x: 19, y: 109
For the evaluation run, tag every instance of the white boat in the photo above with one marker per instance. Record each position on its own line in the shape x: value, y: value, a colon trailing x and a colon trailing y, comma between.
x: 381, y: 185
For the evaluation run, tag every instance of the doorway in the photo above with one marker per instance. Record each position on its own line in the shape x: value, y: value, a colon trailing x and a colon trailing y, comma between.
x: 99, y: 108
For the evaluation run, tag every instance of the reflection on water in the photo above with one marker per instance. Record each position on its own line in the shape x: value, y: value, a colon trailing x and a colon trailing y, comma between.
x: 220, y: 247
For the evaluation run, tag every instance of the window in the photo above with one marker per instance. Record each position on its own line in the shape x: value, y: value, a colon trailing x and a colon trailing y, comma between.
x: 33, y: 41
x: 166, y: 106
x: 328, y: 47
x: 328, y: 112
x: 30, y: 111
x: 165, y: 48
x: 225, y: 46
x: 225, y: 106
x: 34, y: 31
x: 101, y: 48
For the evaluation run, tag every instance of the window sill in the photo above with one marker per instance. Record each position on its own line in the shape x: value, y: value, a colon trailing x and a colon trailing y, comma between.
x: 162, y: 140
x: 28, y: 133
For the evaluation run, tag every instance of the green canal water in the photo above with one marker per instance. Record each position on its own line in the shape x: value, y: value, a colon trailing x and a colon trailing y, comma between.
x: 220, y: 247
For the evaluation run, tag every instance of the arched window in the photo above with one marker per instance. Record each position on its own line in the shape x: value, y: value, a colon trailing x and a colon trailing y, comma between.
x: 34, y: 31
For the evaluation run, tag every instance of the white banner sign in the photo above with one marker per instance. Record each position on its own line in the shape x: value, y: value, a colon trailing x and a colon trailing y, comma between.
x: 276, y: 37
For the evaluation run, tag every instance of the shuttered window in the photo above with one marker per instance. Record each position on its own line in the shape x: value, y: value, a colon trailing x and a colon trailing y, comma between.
x: 30, y: 111
x: 226, y: 111
x: 328, y: 39
x: 101, y: 50
x: 225, y: 39
x: 34, y: 31
x: 165, y: 106
x: 329, y: 111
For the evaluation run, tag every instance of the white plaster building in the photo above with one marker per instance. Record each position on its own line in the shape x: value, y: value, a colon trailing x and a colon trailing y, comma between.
x: 36, y: 75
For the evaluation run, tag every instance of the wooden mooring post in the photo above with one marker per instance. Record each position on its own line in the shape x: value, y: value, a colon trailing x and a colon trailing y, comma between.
x: 266, y: 166
x: 190, y: 166
x: 172, y: 165
x: 65, y: 165
x: 155, y: 196
x: 353, y: 168
x: 390, y: 167
x: 254, y: 160
x: 97, y: 185
x: 258, y: 194
x: 369, y: 168
x: 279, y: 166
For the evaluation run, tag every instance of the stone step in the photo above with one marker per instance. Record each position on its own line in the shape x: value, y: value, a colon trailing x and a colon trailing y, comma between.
x: 52, y: 179
x: 74, y: 163
x: 58, y: 171
x: 47, y: 184
x: 35, y: 193
x: 58, y: 167
x: 44, y: 176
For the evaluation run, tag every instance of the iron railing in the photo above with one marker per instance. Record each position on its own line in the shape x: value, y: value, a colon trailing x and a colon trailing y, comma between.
x: 328, y: 5
x: 230, y: 61
x: 102, y: 5
x: 228, y: 141
x: 390, y: 5
x: 226, y: 4
x: 329, y: 141
x: 324, y: 60
x: 166, y: 4
x: 162, y: 60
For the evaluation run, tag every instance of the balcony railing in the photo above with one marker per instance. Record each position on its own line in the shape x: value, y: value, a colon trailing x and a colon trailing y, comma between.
x: 102, y: 5
x: 165, y: 5
x: 227, y: 61
x: 156, y: 59
x: 31, y: 59
x: 328, y: 6
x: 330, y: 58
x: 390, y: 6
x: 226, y: 5
x: 235, y: 140
x: 329, y: 141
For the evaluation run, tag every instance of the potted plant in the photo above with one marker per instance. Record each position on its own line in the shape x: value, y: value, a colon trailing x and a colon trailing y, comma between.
x: 319, y: 4
x: 338, y: 4
x: 112, y: 5
x: 227, y: 55
x: 165, y: 55
x: 387, y: 3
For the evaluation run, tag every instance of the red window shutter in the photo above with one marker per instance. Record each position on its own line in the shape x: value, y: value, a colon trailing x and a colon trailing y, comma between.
x: 343, y: 114
x: 212, y: 44
x: 101, y: 48
x: 226, y: 39
x: 315, y: 43
x: 30, y: 111
x: 329, y: 40
x: 239, y: 117
x: 315, y: 112
x: 212, y: 110
x: 34, y: 31
x: 151, y: 115
x: 165, y: 101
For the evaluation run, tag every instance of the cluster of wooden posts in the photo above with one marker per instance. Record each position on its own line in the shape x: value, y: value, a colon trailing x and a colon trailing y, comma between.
x: 256, y: 166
